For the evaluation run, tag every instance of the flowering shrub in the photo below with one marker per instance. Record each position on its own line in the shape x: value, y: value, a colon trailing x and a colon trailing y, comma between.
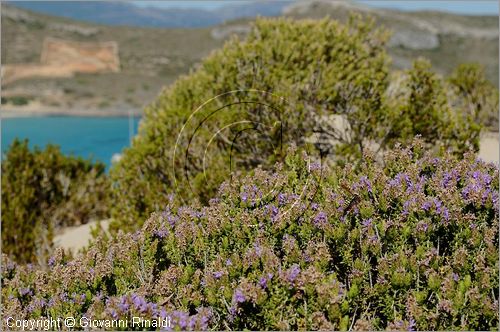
x: 289, y: 81
x: 43, y: 190
x: 411, y: 245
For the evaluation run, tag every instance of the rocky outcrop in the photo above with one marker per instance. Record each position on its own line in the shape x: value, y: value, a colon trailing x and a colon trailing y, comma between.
x: 62, y: 58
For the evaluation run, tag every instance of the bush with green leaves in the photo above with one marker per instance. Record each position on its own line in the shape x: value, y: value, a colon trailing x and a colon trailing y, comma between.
x: 408, y: 246
x: 289, y: 82
x: 476, y: 95
x: 44, y: 190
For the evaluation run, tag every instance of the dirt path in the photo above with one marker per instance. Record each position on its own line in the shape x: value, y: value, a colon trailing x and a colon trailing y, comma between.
x: 489, y: 147
x: 77, y: 237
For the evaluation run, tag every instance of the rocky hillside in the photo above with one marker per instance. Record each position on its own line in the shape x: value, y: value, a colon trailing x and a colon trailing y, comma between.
x: 151, y: 58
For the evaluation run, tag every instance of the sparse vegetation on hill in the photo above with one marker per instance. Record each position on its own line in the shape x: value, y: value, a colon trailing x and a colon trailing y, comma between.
x: 158, y: 56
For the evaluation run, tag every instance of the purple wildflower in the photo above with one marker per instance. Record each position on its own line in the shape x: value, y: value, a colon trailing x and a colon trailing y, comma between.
x: 182, y: 318
x: 139, y: 303
x: 114, y: 314
x: 25, y: 291
x: 273, y: 212
x: 232, y: 313
x: 163, y: 313
x: 320, y: 219
x: 162, y: 232
x: 218, y: 274
x: 51, y: 261
x: 426, y: 206
x: 292, y: 273
x: 238, y: 296
x: 365, y: 182
x: 281, y: 199
x: 412, y: 324
x: 123, y: 305
x: 263, y: 282
x: 314, y: 166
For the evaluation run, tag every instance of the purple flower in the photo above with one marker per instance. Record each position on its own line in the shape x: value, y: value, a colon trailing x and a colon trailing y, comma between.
x: 314, y: 166
x: 292, y: 273
x: 139, y: 303
x: 445, y: 213
x: 273, y: 211
x: 232, y: 313
x: 51, y: 261
x: 367, y: 222
x: 422, y: 226
x: 25, y: 291
x: 406, y: 206
x: 181, y: 318
x: 412, y: 324
x: 51, y: 302
x: 455, y: 276
x: 229, y: 262
x: 123, y: 305
x: 162, y: 232
x: 426, y: 206
x: 263, y: 282
x: 281, y: 199
x: 10, y: 266
x: 163, y: 313
x: 238, y: 296
x: 320, y: 219
x: 218, y: 274
x: 114, y: 314
x: 365, y: 182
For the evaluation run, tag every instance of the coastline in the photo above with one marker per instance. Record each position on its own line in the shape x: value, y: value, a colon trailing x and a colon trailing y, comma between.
x: 48, y: 112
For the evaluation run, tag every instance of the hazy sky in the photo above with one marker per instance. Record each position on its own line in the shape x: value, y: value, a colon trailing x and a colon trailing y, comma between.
x: 456, y: 6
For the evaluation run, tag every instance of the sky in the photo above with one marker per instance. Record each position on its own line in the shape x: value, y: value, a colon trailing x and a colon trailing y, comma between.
x: 454, y: 6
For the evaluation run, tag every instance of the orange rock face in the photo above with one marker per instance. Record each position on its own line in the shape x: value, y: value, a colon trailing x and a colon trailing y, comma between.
x: 61, y: 58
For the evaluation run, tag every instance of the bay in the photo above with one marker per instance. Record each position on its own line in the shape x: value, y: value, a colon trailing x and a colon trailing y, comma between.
x: 98, y: 138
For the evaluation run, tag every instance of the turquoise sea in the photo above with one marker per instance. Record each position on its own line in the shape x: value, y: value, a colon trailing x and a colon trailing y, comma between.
x: 98, y: 138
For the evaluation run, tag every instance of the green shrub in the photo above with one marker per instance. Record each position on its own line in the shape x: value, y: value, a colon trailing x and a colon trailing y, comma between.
x: 477, y: 96
x: 16, y: 100
x: 43, y: 190
x: 411, y: 245
x: 289, y: 82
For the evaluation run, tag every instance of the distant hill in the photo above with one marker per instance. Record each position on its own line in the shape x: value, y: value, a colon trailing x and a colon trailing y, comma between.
x: 151, y: 58
x: 122, y: 13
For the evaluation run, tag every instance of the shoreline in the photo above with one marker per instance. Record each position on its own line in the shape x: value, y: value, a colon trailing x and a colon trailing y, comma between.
x: 104, y: 113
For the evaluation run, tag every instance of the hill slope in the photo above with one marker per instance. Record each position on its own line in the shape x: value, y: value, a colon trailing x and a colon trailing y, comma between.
x: 122, y: 13
x: 151, y: 58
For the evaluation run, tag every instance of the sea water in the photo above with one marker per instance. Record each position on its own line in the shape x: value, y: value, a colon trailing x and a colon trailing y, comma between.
x: 98, y: 138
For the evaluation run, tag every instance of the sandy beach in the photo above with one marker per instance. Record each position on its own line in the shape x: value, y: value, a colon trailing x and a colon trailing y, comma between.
x: 77, y: 237
x: 489, y: 147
